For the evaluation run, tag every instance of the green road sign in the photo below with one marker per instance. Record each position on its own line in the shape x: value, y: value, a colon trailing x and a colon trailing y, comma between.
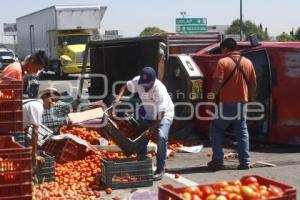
x: 191, y: 25
x: 190, y: 21
x: 191, y: 29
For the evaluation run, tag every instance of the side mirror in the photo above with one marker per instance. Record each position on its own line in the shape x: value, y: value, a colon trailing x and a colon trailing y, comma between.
x: 162, y: 48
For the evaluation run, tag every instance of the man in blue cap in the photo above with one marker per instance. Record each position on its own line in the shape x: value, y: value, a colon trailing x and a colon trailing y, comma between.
x: 159, y: 110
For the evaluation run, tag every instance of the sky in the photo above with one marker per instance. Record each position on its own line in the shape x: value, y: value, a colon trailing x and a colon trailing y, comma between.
x: 130, y: 17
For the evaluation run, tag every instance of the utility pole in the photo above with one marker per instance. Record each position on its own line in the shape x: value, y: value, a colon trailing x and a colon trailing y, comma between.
x: 241, y: 20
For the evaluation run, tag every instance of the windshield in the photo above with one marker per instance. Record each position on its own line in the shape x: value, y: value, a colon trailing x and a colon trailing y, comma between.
x: 6, y: 53
x: 76, y: 39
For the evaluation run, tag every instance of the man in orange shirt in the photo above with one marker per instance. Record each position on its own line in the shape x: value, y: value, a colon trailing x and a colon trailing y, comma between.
x: 234, y: 84
x: 31, y: 64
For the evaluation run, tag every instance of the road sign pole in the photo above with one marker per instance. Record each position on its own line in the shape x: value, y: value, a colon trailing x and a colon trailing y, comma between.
x: 241, y: 20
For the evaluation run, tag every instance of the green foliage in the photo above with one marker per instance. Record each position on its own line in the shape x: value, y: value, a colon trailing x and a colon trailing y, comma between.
x: 149, y: 31
x: 248, y: 29
x: 297, y: 34
x: 284, y: 37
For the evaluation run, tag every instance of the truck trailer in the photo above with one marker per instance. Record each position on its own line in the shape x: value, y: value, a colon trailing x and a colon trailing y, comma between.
x: 62, y: 32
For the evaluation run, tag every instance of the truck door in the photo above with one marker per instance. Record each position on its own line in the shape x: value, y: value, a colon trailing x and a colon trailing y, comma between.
x: 259, y: 128
x: 184, y: 82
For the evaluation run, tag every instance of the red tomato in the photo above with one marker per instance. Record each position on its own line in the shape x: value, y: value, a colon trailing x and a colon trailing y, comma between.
x: 249, y: 180
x: 221, y: 197
x: 234, y: 196
x: 211, y: 197
x: 248, y: 192
x: 207, y: 190
x: 274, y: 192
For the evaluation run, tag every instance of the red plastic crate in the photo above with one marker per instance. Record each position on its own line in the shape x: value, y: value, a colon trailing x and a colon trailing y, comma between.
x: 65, y: 150
x: 168, y: 192
x: 52, y: 147
x: 11, y: 105
x: 15, y: 169
x: 71, y: 151
x: 11, y: 89
x: 11, y: 113
x: 11, y: 126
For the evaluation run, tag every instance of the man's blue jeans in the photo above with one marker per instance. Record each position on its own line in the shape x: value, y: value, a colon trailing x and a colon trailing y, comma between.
x: 162, y: 143
x: 230, y: 114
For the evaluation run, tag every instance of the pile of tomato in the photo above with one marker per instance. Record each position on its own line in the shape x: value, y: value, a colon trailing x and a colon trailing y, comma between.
x: 73, y: 180
x: 90, y: 136
x: 248, y: 188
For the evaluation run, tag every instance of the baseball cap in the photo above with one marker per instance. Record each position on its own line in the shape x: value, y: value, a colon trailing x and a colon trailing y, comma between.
x: 148, y: 75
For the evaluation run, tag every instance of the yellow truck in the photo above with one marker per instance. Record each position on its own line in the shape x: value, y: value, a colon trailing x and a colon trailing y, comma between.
x: 62, y: 32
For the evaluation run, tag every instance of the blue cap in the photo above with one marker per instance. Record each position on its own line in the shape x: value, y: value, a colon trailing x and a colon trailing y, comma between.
x: 148, y: 75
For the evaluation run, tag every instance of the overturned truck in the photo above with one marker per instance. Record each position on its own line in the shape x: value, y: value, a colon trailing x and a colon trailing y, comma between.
x: 186, y: 64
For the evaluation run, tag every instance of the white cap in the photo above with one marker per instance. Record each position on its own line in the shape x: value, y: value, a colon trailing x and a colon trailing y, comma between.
x: 53, y: 92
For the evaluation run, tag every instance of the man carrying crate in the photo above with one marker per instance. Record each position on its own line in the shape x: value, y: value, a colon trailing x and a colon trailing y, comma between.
x: 159, y: 111
x: 32, y: 114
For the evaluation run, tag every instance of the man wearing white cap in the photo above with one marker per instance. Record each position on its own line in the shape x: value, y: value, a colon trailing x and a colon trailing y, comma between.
x: 32, y: 113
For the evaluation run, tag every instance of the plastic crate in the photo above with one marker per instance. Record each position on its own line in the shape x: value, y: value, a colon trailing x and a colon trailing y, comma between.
x: 44, y: 134
x: 11, y: 113
x: 45, y: 172
x: 19, y: 137
x: 15, y: 169
x: 125, y: 173
x: 11, y: 126
x: 11, y: 105
x: 129, y: 146
x: 168, y: 192
x: 52, y: 147
x: 65, y: 150
x: 71, y: 151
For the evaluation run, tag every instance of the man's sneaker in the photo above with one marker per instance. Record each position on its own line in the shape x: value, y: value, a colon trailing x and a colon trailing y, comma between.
x: 244, y: 166
x: 158, y: 175
x: 215, y: 164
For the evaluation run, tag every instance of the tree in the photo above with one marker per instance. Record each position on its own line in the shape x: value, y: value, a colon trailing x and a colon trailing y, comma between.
x: 284, y: 37
x: 149, y: 31
x: 248, y: 29
x: 297, y: 34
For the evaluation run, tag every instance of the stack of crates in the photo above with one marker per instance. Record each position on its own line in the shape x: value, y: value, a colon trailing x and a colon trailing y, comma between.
x: 11, y: 114
x: 45, y: 172
x: 15, y: 170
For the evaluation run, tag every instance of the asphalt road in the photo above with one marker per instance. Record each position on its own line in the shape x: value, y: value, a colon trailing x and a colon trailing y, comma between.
x: 192, y: 167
